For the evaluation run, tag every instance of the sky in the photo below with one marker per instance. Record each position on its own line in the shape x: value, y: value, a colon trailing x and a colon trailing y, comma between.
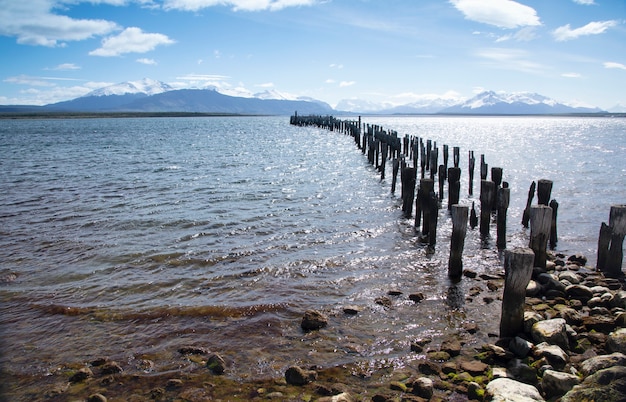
x: 383, y: 51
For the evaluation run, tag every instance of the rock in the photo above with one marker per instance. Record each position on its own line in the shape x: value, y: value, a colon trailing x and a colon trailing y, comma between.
x: 598, y: 323
x: 552, y: 331
x: 298, y: 376
x: 556, y: 383
x: 507, y: 390
x: 619, y: 299
x: 417, y: 297
x: 343, y: 397
x: 448, y: 367
x: 97, y: 398
x: 492, y: 286
x: 475, y: 391
x: 533, y: 288
x: 423, y: 387
x: 605, y: 385
x: 81, y: 375
x: 530, y: 319
x: 572, y: 277
x: 617, y: 341
x: 579, y: 292
x: 216, y: 364
x: 470, y: 327
x: 174, y: 383
x: 398, y: 386
x: 521, y: 371
x: 571, y: 316
x: 552, y: 353
x: 596, y: 363
x: 313, y: 320
x: 520, y: 347
x: 394, y: 292
x: 474, y: 367
x: 192, y: 350
x: 111, y: 367
x: 620, y: 319
x: 383, y: 301
x: 469, y: 274
x: 428, y: 367
x: 451, y: 346
x: 351, y: 310
x: 577, y: 259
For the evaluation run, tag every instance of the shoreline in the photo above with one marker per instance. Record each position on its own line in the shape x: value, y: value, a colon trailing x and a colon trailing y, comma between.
x: 590, y: 317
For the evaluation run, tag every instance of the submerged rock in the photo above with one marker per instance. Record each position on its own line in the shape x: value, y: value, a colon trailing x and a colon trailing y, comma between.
x: 216, y: 364
x: 298, y: 376
x: 313, y: 320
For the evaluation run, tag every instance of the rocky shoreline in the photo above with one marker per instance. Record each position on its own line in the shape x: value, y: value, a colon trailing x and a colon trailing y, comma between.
x: 573, y: 348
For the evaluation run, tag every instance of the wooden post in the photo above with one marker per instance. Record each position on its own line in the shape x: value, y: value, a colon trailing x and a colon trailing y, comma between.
x: 457, y: 242
x: 434, y: 215
x: 456, y: 155
x: 604, y: 241
x: 434, y: 157
x: 394, y: 179
x: 408, y: 190
x: 540, y: 221
x: 472, y: 164
x: 518, y: 269
x: 426, y: 187
x: 473, y: 217
x: 454, y: 186
x: 483, y: 168
x: 529, y: 201
x: 544, y: 190
x: 496, y: 177
x: 441, y: 179
x: 445, y: 163
x: 383, y: 162
x: 487, y: 194
x: 504, y: 195
x: 553, y: 235
x: 615, y: 256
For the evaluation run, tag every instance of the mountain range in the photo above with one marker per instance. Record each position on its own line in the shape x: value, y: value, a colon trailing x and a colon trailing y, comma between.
x: 153, y: 96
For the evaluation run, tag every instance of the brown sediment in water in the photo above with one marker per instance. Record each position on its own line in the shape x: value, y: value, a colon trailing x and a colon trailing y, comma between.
x: 458, y: 366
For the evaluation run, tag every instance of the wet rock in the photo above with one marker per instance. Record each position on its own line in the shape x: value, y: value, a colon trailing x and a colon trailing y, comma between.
x: 394, y: 292
x: 571, y: 316
x: 313, y: 320
x: 81, y: 375
x: 505, y: 389
x: 617, y: 341
x: 521, y: 371
x: 193, y: 350
x: 351, y: 310
x: 383, y: 301
x: 596, y: 363
x: 343, y: 397
x: 619, y: 299
x: 398, y: 386
x: 579, y: 292
x: 533, y: 288
x: 520, y: 347
x: 216, y: 363
x: 451, y: 346
x: 298, y: 376
x: 556, y: 383
x: 470, y: 327
x: 530, y: 319
x: 577, y: 259
x: 111, y: 367
x: 469, y: 274
x: 438, y: 355
x: 552, y: 353
x: 492, y: 286
x: 474, y: 367
x: 417, y: 297
x: 97, y: 398
x: 605, y: 385
x: 423, y: 387
x: 428, y: 367
x: 598, y: 323
x: 572, y: 277
x: 174, y: 383
x: 552, y: 331
x: 620, y: 319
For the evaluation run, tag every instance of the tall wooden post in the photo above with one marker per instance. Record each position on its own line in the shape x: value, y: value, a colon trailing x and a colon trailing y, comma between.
x: 456, y: 156
x: 529, y: 201
x: 496, y: 177
x: 473, y: 217
x: 540, y: 221
x: 553, y: 234
x: 544, y: 190
x: 426, y: 188
x: 484, y: 168
x: 394, y: 179
x: 408, y: 190
x: 604, y: 241
x: 434, y: 215
x: 615, y: 256
x: 518, y: 269
x: 504, y: 194
x: 487, y: 194
x: 472, y: 164
x: 445, y: 163
x: 454, y: 186
x: 441, y: 179
x: 457, y: 242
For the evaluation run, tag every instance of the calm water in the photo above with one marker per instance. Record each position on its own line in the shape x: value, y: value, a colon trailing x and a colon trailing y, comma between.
x: 129, y: 238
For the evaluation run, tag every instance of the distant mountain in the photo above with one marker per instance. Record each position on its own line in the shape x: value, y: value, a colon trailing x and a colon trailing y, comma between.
x: 145, y: 86
x: 490, y: 102
x: 619, y: 108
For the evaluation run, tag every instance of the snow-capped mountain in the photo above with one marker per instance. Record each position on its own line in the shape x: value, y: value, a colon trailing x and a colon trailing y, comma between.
x: 619, y: 108
x: 145, y: 86
x: 361, y: 106
x: 490, y: 102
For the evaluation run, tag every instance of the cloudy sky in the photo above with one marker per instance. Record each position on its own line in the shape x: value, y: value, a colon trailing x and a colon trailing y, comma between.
x: 395, y: 51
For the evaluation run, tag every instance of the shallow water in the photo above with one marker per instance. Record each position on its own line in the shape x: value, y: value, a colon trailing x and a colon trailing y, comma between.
x: 129, y: 238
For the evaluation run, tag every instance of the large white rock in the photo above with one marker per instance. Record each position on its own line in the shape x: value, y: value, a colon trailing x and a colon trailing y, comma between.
x: 556, y: 383
x: 553, y: 331
x: 617, y: 341
x: 507, y: 390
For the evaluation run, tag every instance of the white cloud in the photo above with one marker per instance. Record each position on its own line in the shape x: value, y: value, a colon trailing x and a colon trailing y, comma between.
x: 236, y: 5
x: 131, y: 40
x: 150, y: 62
x: 343, y: 84
x: 66, y: 66
x: 571, y: 75
x: 337, y: 66
x: 330, y: 81
x: 501, y: 13
x: 46, y: 90
x: 509, y: 59
x: 34, y: 23
x: 584, y: 2
x: 593, y: 28
x: 610, y: 64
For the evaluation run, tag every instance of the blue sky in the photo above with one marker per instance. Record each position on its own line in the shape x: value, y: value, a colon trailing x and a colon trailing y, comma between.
x: 395, y: 51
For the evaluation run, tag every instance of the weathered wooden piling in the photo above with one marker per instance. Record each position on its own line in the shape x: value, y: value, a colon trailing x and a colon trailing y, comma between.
x: 553, y: 230
x: 487, y: 195
x: 456, y: 156
x: 610, y: 243
x: 529, y: 201
x: 408, y: 190
x: 496, y: 178
x: 472, y: 164
x: 454, y: 186
x: 484, y: 168
x: 518, y: 269
x: 426, y: 188
x: 434, y: 216
x: 394, y: 179
x: 445, y: 163
x: 441, y: 179
x: 544, y: 190
x: 473, y: 217
x: 540, y: 222
x: 504, y: 195
x: 457, y: 241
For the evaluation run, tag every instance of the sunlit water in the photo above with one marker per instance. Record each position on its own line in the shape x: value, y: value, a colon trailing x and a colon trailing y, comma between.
x: 129, y: 238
